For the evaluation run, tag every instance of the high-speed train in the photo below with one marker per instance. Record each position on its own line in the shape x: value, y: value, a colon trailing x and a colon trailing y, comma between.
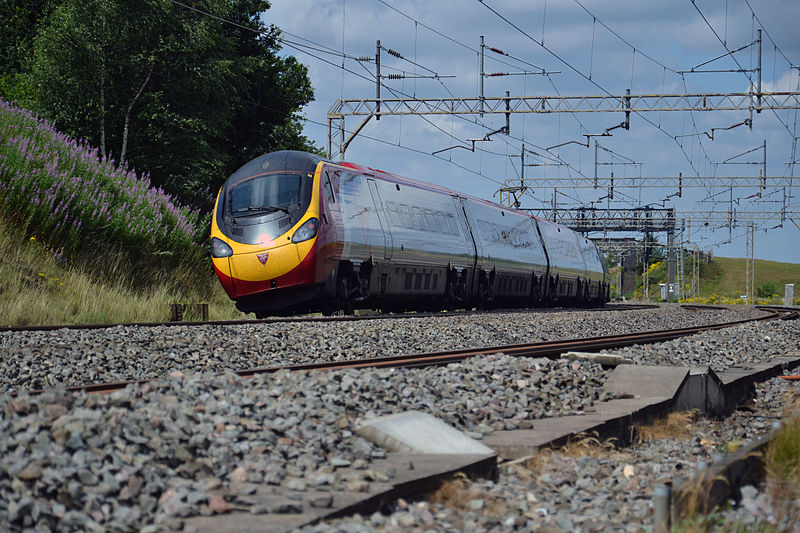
x: 293, y: 232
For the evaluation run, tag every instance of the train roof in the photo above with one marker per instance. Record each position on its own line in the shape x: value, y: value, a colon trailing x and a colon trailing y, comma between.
x: 290, y: 160
x: 396, y: 178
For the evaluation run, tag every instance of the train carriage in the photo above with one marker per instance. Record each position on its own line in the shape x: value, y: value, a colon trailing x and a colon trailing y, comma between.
x: 292, y: 232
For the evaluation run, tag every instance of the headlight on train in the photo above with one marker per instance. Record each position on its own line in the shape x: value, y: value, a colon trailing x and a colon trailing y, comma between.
x: 219, y: 248
x: 307, y: 231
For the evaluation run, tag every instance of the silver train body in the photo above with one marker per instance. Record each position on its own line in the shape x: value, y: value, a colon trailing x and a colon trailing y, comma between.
x: 394, y: 243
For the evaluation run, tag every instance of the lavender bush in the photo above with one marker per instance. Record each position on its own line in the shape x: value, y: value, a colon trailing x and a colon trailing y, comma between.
x: 63, y: 191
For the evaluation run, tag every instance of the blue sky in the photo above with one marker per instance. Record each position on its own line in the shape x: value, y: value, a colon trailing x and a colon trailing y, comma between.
x: 589, y: 47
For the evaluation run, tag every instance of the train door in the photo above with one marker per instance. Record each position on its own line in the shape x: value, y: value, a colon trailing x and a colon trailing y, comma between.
x: 472, y: 239
x: 387, y: 232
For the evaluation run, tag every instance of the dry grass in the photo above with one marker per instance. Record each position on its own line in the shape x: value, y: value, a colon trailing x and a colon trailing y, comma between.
x: 37, y: 289
x: 782, y: 464
x: 458, y: 491
x: 677, y: 426
x: 581, y: 445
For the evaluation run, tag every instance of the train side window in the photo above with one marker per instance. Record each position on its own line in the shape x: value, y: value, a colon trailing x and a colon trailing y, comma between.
x: 419, y: 219
x: 408, y: 218
x: 328, y: 186
x: 438, y: 220
x: 451, y: 221
x: 394, y: 214
x: 430, y: 221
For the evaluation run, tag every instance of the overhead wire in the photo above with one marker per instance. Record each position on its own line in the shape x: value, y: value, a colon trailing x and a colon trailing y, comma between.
x: 577, y: 71
x: 742, y: 69
x: 301, y: 48
x: 618, y: 36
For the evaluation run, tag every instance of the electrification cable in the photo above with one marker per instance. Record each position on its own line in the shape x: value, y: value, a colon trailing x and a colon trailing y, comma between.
x: 577, y: 71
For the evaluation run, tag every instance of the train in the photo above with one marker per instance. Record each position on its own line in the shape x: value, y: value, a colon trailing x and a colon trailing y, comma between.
x: 295, y: 233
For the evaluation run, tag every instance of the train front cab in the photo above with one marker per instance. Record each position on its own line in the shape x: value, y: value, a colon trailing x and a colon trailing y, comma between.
x: 264, y: 233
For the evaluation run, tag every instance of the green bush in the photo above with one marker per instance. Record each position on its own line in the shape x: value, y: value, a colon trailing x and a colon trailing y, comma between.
x: 767, y: 289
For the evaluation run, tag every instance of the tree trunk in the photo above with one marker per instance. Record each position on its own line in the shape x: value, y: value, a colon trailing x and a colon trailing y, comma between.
x: 126, y: 127
x: 103, y: 107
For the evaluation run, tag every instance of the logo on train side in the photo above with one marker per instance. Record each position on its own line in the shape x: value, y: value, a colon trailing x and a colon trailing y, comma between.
x: 263, y: 258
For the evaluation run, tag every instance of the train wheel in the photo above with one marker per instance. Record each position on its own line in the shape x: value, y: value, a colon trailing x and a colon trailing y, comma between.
x: 345, y: 295
x: 554, y: 289
x: 538, y: 290
x: 579, y: 292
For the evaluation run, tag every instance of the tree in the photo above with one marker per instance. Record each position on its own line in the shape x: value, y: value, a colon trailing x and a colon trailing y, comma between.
x: 19, y: 23
x: 176, y: 92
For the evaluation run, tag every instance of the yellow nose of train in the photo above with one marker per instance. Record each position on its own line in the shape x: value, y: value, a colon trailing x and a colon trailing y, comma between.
x: 264, y: 230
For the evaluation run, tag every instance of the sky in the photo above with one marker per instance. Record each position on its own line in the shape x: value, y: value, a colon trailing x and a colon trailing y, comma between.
x: 584, y: 48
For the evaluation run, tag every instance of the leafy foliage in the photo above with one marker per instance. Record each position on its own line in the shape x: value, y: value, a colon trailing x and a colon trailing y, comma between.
x: 187, y: 95
x: 19, y: 22
x: 767, y: 289
x: 78, y: 201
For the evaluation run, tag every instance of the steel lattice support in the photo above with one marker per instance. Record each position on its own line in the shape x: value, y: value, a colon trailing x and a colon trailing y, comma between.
x: 649, y: 219
x: 665, y: 182
x: 507, y: 105
x: 566, y: 104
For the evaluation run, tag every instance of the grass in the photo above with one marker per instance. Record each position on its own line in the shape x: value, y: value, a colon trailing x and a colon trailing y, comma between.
x: 101, y: 216
x: 726, y: 276
x: 676, y: 425
x: 782, y: 464
x: 722, y: 281
x: 36, y: 288
x: 458, y: 491
x: 782, y: 484
x: 86, y: 240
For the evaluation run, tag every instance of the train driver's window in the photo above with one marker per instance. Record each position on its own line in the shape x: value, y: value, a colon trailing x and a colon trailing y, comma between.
x: 328, y: 186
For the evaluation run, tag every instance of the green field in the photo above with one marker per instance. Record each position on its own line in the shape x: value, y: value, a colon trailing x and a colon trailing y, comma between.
x: 726, y: 276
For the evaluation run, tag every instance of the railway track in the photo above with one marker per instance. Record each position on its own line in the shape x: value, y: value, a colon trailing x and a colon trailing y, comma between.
x: 322, y: 319
x: 302, y: 425
x: 549, y: 349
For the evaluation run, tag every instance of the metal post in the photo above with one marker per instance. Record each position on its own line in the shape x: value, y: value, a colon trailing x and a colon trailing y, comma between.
x: 378, y: 80
x: 508, y: 113
x: 483, y: 47
x: 671, y: 257
x: 750, y: 267
x: 681, y: 266
x: 341, y: 139
x: 595, y: 164
x: 330, y: 137
x: 627, y: 124
x: 611, y: 188
x: 661, y: 509
x: 758, y: 88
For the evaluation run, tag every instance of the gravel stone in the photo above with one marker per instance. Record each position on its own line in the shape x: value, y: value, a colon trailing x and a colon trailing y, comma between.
x: 198, y: 439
